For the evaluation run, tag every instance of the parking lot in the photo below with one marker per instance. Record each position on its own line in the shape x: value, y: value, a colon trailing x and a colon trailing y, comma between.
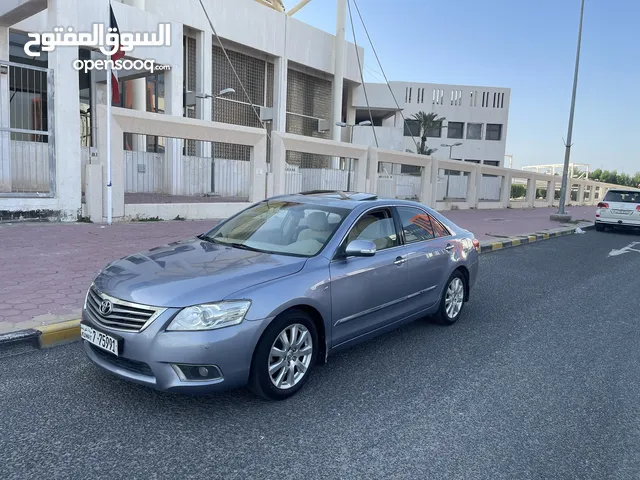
x: 539, y: 379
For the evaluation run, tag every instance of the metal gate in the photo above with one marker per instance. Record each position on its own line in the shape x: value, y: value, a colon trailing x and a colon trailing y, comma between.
x: 27, y: 150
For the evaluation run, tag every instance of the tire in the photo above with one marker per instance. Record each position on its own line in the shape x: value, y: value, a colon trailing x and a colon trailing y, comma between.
x: 599, y: 227
x: 263, y: 383
x: 456, y: 286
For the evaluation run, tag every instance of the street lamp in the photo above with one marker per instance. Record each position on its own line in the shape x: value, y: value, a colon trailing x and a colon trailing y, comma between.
x: 562, y: 215
x: 224, y: 91
x: 451, y: 147
x: 364, y: 123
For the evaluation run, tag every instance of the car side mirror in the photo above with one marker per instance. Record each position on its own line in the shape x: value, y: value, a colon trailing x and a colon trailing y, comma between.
x: 360, y: 248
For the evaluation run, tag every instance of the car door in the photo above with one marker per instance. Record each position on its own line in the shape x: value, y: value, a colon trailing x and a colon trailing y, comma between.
x: 428, y: 254
x: 368, y: 292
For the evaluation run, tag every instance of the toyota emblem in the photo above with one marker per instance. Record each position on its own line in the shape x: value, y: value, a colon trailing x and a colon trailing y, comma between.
x: 106, y: 307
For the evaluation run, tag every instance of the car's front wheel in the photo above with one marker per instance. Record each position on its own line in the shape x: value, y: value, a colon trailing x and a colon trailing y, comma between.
x: 284, y: 357
x: 452, y: 301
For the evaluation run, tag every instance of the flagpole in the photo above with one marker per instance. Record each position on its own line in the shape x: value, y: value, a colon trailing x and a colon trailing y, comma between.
x: 109, y: 101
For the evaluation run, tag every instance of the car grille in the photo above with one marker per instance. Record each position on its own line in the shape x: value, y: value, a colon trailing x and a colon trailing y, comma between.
x: 124, y: 363
x: 126, y: 316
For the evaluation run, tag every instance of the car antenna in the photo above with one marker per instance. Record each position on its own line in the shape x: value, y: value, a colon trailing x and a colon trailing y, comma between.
x: 343, y: 195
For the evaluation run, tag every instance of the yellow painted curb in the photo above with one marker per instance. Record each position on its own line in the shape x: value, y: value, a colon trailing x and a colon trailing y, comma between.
x: 59, y: 333
x: 496, y: 246
x: 545, y: 236
x: 532, y: 238
x: 515, y: 241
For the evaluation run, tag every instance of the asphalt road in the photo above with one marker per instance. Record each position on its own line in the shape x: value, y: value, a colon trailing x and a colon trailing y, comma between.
x: 539, y: 379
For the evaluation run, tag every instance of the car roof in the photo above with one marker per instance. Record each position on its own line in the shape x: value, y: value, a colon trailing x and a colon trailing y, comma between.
x: 337, y: 198
x: 630, y: 189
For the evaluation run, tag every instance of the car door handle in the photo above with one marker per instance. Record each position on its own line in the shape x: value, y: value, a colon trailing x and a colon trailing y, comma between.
x: 450, y: 247
x: 400, y: 260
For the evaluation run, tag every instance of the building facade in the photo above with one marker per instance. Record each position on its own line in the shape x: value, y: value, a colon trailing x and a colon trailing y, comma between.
x: 274, y: 72
x: 280, y: 68
x: 475, y: 118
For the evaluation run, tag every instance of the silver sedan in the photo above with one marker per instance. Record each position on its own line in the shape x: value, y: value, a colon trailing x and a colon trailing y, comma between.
x: 268, y: 294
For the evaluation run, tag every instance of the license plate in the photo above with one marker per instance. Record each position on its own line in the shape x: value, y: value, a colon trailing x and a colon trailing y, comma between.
x: 622, y: 212
x: 99, y: 339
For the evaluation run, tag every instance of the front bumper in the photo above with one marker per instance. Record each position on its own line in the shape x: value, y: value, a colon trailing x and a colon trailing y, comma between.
x: 148, y: 357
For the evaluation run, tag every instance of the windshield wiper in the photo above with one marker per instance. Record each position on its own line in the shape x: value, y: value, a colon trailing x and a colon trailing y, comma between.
x: 207, y: 238
x: 243, y: 247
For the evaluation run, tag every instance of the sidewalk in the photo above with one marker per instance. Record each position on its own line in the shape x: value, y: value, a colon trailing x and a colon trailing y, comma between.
x: 47, y: 268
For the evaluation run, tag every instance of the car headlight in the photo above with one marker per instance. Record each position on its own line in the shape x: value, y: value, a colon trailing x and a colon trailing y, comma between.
x: 210, y: 316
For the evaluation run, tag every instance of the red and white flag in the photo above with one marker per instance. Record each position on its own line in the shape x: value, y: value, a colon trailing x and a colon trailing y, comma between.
x: 115, y: 88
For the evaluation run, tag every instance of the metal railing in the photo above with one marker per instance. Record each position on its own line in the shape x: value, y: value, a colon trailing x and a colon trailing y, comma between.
x: 27, y: 149
x: 218, y: 172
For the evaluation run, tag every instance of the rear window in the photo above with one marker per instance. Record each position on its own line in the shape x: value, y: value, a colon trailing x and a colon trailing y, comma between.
x: 630, y: 196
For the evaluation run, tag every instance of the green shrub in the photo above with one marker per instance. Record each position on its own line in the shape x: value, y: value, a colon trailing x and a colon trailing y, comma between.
x: 518, y: 191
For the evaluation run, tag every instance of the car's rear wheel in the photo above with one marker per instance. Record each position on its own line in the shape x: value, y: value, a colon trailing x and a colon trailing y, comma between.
x: 599, y: 227
x: 452, y: 301
x: 284, y: 357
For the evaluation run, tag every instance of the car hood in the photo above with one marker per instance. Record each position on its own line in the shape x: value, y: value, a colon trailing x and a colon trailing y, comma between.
x: 191, y: 272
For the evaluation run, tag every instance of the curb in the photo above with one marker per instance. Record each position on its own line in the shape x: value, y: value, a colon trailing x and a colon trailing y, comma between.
x: 68, y: 332
x: 59, y: 333
x: 486, y: 247
x: 38, y: 338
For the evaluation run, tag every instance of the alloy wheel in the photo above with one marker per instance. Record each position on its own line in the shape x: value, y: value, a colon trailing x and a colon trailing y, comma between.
x: 290, y: 356
x: 454, y: 298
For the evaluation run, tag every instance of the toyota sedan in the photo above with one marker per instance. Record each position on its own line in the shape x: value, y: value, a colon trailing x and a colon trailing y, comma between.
x: 268, y: 294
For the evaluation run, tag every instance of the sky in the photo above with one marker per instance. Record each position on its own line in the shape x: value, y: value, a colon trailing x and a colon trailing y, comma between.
x: 526, y: 45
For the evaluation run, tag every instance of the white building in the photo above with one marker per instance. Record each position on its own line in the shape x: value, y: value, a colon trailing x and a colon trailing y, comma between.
x: 476, y: 117
x: 53, y: 128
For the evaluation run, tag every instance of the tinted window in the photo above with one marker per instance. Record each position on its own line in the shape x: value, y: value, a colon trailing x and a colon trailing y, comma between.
x: 377, y: 227
x: 494, y: 131
x: 630, y: 196
x: 455, y: 130
x: 416, y: 225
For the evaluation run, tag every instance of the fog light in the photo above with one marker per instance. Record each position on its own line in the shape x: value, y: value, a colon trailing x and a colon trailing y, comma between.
x: 197, y: 373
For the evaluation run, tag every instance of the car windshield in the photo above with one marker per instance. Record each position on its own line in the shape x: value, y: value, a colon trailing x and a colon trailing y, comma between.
x: 630, y: 196
x: 288, y: 228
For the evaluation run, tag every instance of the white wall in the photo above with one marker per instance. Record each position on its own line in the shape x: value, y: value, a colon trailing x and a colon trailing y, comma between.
x: 388, y: 138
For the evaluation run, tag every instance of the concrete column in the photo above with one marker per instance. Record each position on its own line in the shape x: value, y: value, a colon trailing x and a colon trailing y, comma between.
x: 93, y: 194
x: 140, y: 103
x: 505, y: 193
x: 351, y: 110
x: 278, y: 163
x: 372, y: 170
x: 5, y: 138
x: 66, y: 108
x: 258, y: 169
x: 434, y: 182
x: 580, y: 194
x: 139, y: 91
x: 280, y: 94
x: 551, y: 192
x: 427, y: 184
x: 204, y: 70
x: 117, y: 162
x: 531, y: 192
x: 360, y: 173
x: 339, y: 49
x: 173, y: 105
x: 279, y: 123
x: 567, y: 200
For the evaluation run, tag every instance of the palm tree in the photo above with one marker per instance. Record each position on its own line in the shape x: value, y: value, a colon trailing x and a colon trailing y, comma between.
x: 427, y: 122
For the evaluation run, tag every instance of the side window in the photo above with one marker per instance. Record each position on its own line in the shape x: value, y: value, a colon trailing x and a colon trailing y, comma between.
x: 438, y: 229
x: 416, y: 225
x: 377, y: 227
